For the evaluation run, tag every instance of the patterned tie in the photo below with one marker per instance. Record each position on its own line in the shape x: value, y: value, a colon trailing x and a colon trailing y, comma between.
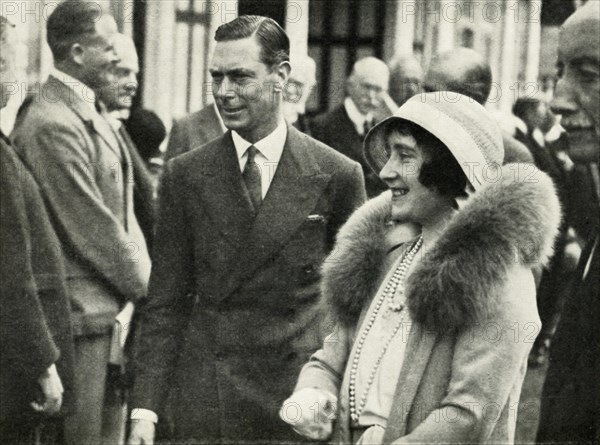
x: 251, y: 175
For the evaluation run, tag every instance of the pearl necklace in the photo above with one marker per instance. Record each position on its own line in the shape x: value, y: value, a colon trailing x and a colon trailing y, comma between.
x: 388, y: 293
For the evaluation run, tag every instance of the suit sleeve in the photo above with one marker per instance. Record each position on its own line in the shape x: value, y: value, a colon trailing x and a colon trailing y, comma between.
x: 27, y: 345
x: 325, y: 369
x: 67, y: 175
x: 488, y: 369
x: 164, y: 315
x: 176, y: 141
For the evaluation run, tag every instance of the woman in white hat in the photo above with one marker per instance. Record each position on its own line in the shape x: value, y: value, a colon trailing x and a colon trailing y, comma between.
x: 431, y: 287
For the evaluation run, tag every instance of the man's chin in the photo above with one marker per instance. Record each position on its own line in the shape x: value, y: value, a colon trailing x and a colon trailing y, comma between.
x: 584, y: 146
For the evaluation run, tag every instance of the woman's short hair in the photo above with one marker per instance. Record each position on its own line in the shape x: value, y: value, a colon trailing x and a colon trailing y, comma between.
x: 440, y: 170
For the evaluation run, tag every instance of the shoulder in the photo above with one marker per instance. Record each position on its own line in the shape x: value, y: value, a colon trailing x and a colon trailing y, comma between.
x: 188, y: 121
x: 329, y: 160
x: 329, y: 117
x: 198, y: 159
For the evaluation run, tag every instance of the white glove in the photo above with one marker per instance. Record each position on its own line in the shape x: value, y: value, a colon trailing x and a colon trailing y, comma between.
x: 310, y: 412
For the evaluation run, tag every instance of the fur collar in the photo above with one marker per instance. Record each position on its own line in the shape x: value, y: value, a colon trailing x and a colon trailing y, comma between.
x: 514, y: 219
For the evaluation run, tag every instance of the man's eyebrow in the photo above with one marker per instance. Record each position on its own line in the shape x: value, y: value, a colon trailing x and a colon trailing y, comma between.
x: 232, y: 73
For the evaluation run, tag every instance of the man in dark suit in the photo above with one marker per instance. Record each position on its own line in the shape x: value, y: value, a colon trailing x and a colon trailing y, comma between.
x: 36, y: 344
x: 194, y: 130
x: 345, y: 127
x: 245, y: 221
x: 465, y: 71
x: 570, y: 410
x: 84, y: 175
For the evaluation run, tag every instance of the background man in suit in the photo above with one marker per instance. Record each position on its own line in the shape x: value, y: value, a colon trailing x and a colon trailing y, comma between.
x: 570, y: 410
x: 194, y: 130
x: 244, y: 223
x: 36, y: 345
x: 345, y: 127
x: 297, y: 91
x: 465, y: 71
x: 118, y: 98
x: 406, y: 78
x: 83, y: 172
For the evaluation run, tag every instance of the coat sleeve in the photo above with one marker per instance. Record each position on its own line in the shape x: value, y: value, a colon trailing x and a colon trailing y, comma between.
x: 325, y: 368
x: 164, y: 315
x: 57, y: 154
x: 488, y: 368
x: 27, y: 344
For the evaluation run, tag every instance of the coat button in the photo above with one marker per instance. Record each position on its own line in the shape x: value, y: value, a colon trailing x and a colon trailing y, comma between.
x: 291, y: 356
x: 219, y: 356
x: 308, y: 269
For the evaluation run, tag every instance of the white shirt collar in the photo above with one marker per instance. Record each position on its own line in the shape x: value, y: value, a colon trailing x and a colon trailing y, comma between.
x: 81, y: 90
x: 357, y: 118
x: 270, y: 146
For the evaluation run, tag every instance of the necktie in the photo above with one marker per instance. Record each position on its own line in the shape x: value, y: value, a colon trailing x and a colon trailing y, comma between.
x: 367, y: 125
x: 251, y: 175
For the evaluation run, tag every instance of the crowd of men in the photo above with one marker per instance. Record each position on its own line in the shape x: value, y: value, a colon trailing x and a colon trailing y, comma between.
x: 252, y: 194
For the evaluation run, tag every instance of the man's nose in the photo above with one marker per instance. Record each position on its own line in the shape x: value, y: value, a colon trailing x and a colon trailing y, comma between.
x: 563, y: 101
x: 226, y: 89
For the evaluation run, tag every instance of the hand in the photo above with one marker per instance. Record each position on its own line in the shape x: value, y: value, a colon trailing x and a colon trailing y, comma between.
x: 142, y: 432
x: 311, y: 413
x: 52, y: 390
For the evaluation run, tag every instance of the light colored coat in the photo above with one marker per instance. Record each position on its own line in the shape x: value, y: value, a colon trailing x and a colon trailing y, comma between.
x: 472, y: 301
x: 87, y: 183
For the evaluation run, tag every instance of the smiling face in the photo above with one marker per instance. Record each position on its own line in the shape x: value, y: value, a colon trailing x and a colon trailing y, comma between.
x: 411, y: 200
x: 577, y: 95
x: 247, y: 92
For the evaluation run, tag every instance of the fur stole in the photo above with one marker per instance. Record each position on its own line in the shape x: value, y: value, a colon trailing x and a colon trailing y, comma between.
x: 514, y: 220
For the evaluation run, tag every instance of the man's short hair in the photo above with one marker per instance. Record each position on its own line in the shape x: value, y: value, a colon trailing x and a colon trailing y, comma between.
x: 71, y: 21
x: 440, y: 170
x: 274, y: 42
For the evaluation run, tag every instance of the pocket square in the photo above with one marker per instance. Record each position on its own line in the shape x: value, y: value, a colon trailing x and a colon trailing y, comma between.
x: 316, y: 218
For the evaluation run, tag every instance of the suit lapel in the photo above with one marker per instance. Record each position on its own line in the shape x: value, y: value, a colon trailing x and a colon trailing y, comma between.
x: 418, y: 351
x: 223, y: 190
x: 296, y: 187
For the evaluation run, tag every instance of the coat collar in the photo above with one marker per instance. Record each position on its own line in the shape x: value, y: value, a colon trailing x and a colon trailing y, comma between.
x: 54, y: 90
x: 515, y: 219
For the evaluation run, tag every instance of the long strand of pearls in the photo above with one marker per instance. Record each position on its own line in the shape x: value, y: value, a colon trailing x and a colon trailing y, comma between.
x: 388, y: 293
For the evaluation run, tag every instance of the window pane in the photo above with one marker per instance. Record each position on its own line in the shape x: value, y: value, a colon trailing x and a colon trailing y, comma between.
x: 367, y: 18
x: 340, y: 17
x: 336, y: 86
